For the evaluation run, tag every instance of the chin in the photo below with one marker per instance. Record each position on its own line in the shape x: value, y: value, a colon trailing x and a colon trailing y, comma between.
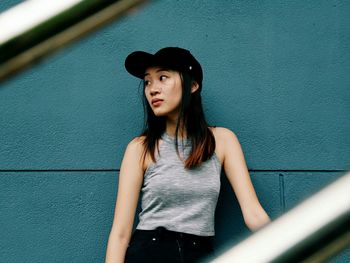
x: 159, y: 114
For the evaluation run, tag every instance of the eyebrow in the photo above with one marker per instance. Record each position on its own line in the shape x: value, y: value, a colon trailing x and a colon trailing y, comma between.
x: 158, y: 70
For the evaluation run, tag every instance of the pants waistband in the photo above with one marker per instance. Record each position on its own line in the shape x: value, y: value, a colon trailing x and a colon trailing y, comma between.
x: 163, y: 233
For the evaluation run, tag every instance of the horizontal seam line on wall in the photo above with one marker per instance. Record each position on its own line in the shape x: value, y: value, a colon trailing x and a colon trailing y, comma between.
x: 61, y: 170
x: 291, y: 170
x: 117, y: 170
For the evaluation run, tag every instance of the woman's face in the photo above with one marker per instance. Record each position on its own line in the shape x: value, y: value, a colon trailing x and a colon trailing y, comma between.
x: 163, y: 90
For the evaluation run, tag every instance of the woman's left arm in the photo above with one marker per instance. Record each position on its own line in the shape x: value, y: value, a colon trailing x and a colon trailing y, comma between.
x: 237, y: 173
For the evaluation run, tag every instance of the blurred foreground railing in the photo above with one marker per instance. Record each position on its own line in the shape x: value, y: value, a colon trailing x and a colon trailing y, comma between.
x: 312, y: 232
x: 36, y: 28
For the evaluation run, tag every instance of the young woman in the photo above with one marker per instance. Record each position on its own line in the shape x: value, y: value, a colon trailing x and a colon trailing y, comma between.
x: 176, y: 165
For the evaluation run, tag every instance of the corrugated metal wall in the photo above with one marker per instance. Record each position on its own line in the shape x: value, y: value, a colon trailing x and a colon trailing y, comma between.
x: 276, y: 73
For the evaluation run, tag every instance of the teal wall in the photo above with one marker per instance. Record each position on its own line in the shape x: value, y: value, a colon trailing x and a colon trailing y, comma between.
x: 276, y: 73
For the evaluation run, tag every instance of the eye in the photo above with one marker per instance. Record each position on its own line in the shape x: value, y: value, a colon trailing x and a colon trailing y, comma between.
x: 163, y: 77
x: 146, y: 83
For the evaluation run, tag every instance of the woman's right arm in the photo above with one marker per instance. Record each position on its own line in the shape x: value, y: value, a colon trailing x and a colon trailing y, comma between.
x: 130, y: 182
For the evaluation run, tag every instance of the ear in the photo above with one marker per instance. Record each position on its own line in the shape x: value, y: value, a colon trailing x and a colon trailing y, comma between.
x: 194, y: 87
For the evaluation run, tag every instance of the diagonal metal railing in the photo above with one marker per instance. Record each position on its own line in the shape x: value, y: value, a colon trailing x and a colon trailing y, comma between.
x: 313, y: 231
x: 36, y: 28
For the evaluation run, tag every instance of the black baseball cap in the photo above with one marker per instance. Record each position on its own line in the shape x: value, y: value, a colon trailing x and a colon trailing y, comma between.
x: 174, y: 58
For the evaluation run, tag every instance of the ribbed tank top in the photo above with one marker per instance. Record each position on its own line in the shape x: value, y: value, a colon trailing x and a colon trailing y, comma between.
x: 179, y: 199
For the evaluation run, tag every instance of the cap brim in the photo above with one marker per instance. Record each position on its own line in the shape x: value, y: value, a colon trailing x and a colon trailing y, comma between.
x: 137, y: 63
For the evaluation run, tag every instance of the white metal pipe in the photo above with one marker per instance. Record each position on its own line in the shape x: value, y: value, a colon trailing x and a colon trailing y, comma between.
x: 30, y: 14
x: 37, y: 28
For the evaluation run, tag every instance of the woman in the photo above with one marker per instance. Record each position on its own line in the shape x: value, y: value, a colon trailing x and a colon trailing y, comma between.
x: 176, y: 165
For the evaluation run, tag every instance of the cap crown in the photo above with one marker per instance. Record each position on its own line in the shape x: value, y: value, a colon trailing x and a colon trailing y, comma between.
x: 170, y: 57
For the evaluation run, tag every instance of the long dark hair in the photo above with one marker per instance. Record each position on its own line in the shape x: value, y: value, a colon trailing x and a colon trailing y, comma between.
x: 191, y: 118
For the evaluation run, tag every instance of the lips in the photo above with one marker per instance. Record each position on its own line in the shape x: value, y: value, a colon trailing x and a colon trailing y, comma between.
x: 156, y: 102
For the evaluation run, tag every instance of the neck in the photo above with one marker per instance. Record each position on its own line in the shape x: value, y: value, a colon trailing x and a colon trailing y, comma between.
x: 171, y: 128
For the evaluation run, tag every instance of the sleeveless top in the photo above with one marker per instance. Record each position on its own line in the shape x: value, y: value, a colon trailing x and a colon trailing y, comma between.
x: 177, y: 198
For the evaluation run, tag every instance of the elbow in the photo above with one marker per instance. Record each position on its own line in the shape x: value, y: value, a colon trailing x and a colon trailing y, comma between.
x: 120, y: 237
x: 116, y: 247
x: 255, y: 219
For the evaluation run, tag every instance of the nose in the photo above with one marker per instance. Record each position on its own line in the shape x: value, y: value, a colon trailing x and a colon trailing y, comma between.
x: 154, y: 89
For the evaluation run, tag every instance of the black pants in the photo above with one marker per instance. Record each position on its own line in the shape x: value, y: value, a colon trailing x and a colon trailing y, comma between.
x: 165, y: 246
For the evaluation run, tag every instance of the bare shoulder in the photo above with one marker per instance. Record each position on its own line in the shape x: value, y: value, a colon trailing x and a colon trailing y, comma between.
x: 135, y: 147
x: 224, y: 135
x: 225, y: 139
x: 137, y: 142
x: 136, y: 150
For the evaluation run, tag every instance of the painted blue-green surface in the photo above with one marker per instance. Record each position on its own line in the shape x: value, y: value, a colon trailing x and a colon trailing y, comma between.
x: 276, y: 73
x: 55, y: 216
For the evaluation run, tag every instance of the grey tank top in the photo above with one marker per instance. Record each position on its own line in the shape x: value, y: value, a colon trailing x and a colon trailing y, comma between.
x: 179, y: 199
